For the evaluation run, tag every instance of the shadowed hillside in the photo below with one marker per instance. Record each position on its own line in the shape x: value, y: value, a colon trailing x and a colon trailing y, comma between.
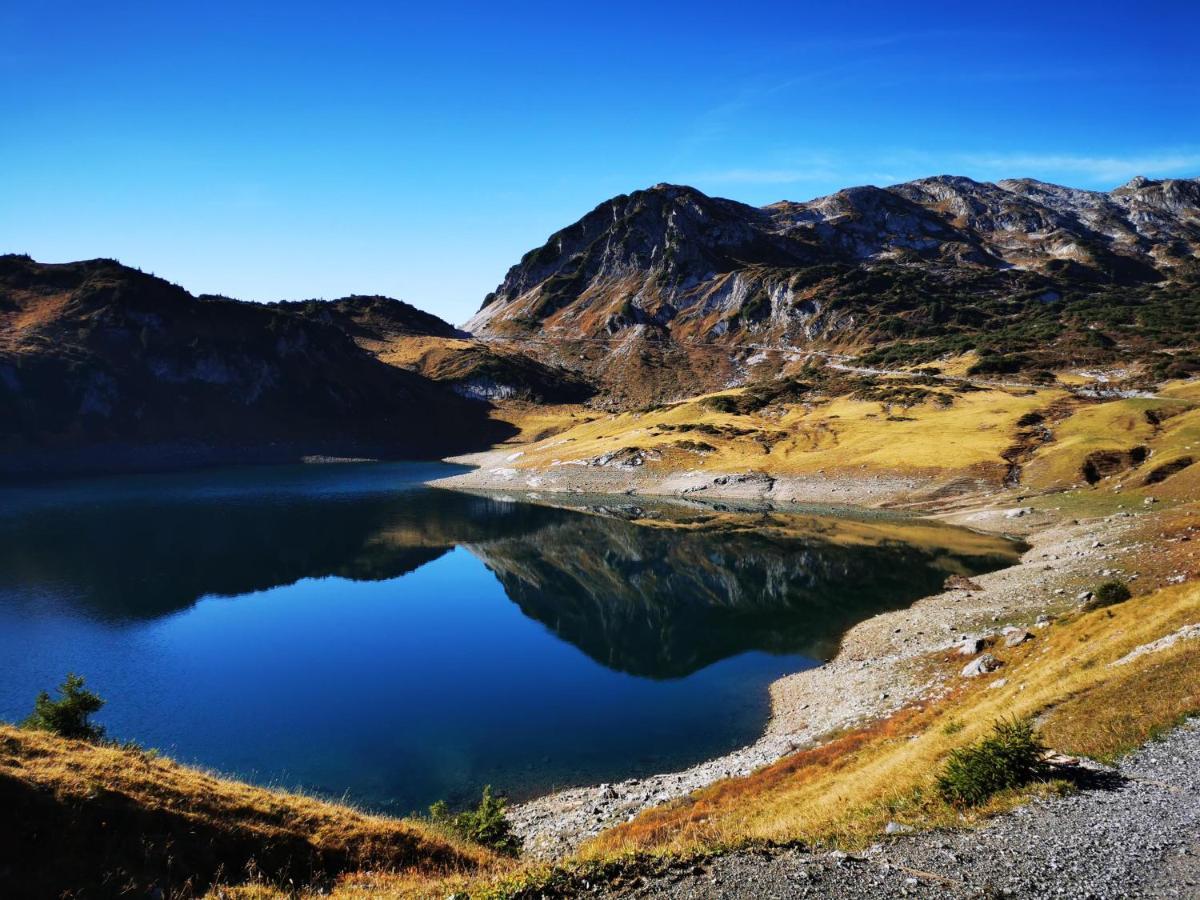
x: 104, y: 367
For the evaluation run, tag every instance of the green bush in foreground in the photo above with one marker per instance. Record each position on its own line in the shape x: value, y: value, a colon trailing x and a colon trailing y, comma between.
x: 1011, y: 756
x: 69, y: 715
x: 486, y: 824
x: 1110, y: 593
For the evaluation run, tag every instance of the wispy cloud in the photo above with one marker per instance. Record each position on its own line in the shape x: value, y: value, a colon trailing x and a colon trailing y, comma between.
x: 828, y: 171
x: 1096, y: 169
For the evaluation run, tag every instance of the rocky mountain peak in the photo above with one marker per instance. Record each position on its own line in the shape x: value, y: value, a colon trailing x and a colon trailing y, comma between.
x: 671, y: 267
x: 666, y: 253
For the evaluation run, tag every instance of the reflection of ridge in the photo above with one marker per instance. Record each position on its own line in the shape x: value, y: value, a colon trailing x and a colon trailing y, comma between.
x: 148, y: 558
x: 663, y: 603
x: 659, y: 601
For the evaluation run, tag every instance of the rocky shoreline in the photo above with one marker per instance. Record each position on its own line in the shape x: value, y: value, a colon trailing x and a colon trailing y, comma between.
x: 1129, y: 832
x: 500, y: 470
x: 878, y: 667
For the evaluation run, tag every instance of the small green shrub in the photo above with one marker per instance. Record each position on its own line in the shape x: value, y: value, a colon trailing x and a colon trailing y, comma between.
x: 485, y: 825
x: 1011, y: 756
x: 1109, y: 594
x: 69, y: 715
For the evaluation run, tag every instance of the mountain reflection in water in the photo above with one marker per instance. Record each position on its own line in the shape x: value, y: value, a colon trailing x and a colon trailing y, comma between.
x: 659, y: 592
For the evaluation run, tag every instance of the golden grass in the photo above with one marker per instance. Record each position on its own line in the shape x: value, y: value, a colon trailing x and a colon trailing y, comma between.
x: 845, y: 791
x: 1118, y: 425
x: 1115, y: 716
x: 840, y: 434
x: 135, y: 818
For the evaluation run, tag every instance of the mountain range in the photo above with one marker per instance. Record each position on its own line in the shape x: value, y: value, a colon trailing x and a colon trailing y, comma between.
x: 103, y: 367
x: 651, y: 297
x: 671, y: 279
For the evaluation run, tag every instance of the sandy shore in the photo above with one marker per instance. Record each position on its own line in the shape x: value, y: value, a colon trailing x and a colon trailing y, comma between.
x: 879, y: 665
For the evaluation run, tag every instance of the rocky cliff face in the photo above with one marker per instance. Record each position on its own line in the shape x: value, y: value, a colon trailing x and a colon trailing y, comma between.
x: 104, y: 367
x: 670, y: 266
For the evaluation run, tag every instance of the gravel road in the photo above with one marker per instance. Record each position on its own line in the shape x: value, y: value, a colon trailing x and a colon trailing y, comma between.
x: 1134, y: 832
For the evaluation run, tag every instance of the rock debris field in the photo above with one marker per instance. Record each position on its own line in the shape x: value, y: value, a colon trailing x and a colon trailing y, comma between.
x: 1133, y: 831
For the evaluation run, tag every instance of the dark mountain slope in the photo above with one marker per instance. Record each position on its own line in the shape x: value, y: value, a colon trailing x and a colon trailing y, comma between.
x: 103, y: 367
x: 402, y: 335
x: 371, y: 318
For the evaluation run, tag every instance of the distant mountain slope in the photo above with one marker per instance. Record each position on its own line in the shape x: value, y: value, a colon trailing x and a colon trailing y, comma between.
x: 402, y: 335
x: 103, y: 367
x: 371, y: 318
x: 948, y: 262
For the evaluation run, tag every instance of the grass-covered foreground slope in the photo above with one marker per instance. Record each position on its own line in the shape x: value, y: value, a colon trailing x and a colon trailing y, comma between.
x: 87, y: 820
x: 845, y: 791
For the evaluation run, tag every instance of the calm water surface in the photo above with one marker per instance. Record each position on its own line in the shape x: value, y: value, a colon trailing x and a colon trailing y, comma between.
x: 344, y: 630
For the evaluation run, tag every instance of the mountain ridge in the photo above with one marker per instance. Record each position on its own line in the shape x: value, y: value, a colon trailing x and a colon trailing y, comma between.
x: 946, y: 262
x: 104, y: 367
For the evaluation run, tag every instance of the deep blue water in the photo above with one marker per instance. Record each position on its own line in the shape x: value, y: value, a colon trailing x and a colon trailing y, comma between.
x: 344, y: 630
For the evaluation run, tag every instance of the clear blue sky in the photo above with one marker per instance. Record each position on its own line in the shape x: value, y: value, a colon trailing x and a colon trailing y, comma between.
x: 289, y: 150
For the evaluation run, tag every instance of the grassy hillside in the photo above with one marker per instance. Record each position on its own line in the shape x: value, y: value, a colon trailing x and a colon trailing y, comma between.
x: 1043, y: 438
x: 846, y: 791
x: 98, y: 821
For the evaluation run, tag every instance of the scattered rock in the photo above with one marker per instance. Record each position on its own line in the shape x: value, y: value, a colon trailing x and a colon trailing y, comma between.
x: 971, y: 646
x: 960, y: 583
x: 896, y: 828
x: 981, y: 666
x: 1017, y: 637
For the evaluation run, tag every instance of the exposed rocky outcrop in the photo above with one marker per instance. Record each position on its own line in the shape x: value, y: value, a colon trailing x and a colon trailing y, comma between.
x: 669, y: 278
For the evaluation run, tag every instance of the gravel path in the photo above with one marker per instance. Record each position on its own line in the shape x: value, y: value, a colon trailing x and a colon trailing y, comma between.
x: 1134, y: 832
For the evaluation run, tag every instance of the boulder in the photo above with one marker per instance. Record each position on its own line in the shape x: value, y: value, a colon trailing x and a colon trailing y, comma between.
x: 981, y: 666
x: 1016, y: 637
x: 971, y: 646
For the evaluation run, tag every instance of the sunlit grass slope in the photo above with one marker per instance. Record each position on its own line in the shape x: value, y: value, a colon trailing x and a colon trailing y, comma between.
x: 891, y: 426
x: 936, y: 432
x: 81, y: 816
x: 847, y: 790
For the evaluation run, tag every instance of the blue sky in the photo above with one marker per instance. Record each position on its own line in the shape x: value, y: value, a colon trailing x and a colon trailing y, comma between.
x: 272, y: 150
